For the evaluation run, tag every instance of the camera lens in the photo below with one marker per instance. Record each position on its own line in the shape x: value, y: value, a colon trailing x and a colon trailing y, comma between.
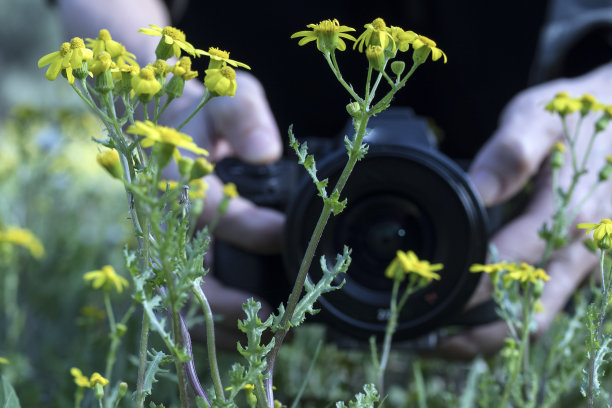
x: 375, y: 228
x: 399, y: 198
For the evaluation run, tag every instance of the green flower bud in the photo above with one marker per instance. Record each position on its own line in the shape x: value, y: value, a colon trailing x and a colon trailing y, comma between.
x: 353, y: 109
x: 556, y: 160
x: 104, y: 83
x: 174, y: 87
x: 184, y: 165
x: 122, y: 389
x: 398, y: 67
x: 120, y: 329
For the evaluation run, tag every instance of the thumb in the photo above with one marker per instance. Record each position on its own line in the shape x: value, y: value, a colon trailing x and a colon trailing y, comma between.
x: 516, y: 150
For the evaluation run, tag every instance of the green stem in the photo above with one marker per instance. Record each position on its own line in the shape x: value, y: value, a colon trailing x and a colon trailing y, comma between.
x: 311, y: 249
x: 521, y: 359
x: 207, y: 97
x: 391, y: 326
x: 333, y: 64
x: 210, y: 339
x: 142, y: 360
x: 111, y: 356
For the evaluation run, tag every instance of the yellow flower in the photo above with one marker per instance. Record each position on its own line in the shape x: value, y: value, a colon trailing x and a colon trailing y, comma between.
x: 558, y: 147
x: 24, y: 238
x: 79, y: 379
x: 375, y: 34
x: 221, y: 81
x: 144, y: 84
x: 328, y: 34
x: 3, y: 360
x: 101, y: 63
x: 402, y: 38
x: 563, y: 104
x: 183, y: 69
x: 84, y: 382
x: 423, y: 46
x: 69, y: 57
x: 602, y: 232
x: 219, y: 57
x: 106, y: 278
x: 230, y: 190
x: 160, y: 68
x: 408, y: 262
x: 96, y: 378
x: 589, y: 104
x: 172, y: 41
x: 161, y: 134
x: 524, y: 273
x: 490, y: 268
x: 104, y: 43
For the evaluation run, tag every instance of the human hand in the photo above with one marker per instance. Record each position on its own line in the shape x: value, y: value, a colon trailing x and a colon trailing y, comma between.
x: 518, y: 151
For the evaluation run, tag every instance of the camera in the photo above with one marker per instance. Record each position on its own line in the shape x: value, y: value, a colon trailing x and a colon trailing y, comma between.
x: 403, y: 195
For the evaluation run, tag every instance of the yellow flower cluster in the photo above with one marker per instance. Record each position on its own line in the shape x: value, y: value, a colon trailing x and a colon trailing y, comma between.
x: 408, y: 263
x: 106, y: 278
x: 564, y: 104
x: 115, y: 68
x: 522, y: 272
x: 84, y: 382
x: 380, y: 41
x: 24, y: 238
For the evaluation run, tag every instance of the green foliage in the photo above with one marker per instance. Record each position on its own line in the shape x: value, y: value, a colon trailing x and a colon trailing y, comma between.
x: 324, y: 285
x: 363, y: 400
x: 8, y: 397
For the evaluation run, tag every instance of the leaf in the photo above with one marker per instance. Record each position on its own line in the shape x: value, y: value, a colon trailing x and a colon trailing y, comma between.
x: 153, y: 368
x: 8, y: 397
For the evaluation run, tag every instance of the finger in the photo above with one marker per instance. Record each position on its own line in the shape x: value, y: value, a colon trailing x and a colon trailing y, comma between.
x: 516, y: 150
x: 255, y: 229
x: 244, y: 125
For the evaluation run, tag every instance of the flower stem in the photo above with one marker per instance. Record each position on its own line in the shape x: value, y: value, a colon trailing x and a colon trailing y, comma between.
x: 207, y: 97
x: 142, y: 360
x: 210, y: 339
x: 310, y: 252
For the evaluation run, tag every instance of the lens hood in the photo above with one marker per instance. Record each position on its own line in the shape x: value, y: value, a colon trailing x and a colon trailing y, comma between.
x: 403, y: 196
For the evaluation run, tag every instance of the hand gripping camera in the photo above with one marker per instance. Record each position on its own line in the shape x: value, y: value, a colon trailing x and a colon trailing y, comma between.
x: 404, y: 195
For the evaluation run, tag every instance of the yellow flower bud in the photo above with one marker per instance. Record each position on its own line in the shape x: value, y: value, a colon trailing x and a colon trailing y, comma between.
x: 109, y: 159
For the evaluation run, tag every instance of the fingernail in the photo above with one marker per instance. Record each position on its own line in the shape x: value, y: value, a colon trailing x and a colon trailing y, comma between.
x: 488, y: 186
x: 261, y: 147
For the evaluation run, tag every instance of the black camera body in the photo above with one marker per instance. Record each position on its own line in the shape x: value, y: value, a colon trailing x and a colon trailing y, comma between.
x: 404, y: 195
